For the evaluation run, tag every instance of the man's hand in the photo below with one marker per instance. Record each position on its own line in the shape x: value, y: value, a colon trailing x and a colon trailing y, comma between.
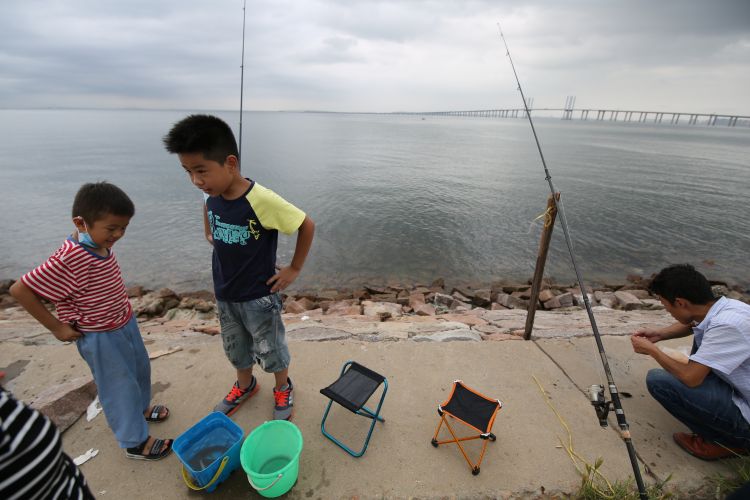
x: 283, y: 278
x: 652, y: 335
x: 642, y: 344
x: 66, y: 333
x: 692, y: 373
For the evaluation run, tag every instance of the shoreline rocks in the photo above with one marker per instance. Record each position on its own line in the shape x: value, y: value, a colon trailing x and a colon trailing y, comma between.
x: 393, y: 301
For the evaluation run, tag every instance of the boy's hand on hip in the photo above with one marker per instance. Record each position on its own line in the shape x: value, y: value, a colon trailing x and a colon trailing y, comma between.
x: 282, y: 279
x: 66, y: 333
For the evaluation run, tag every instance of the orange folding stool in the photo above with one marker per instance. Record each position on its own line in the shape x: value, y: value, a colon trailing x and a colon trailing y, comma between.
x: 472, y: 409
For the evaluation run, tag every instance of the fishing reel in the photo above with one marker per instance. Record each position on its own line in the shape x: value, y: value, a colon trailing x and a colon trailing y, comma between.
x: 600, y: 404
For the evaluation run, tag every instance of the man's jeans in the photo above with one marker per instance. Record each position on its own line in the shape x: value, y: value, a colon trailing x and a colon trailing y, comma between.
x: 707, y: 410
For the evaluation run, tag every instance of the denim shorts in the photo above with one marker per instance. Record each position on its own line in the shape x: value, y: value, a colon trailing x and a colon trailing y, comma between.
x: 252, y: 331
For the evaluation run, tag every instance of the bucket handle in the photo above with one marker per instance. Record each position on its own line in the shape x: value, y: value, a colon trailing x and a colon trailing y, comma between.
x: 189, y: 482
x: 267, y: 487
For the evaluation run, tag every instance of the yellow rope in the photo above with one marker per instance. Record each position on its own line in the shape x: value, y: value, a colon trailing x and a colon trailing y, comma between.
x: 574, y: 456
x: 547, y: 214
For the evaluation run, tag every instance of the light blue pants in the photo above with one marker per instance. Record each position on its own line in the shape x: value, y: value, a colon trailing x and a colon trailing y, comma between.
x: 122, y: 371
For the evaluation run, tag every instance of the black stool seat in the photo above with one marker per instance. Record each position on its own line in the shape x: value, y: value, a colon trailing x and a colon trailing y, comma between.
x: 354, y: 387
x: 472, y: 408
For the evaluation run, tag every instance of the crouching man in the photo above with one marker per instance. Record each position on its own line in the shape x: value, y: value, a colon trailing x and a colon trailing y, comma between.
x: 709, y: 393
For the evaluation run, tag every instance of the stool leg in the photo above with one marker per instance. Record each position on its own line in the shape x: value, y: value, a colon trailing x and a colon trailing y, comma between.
x: 457, y: 440
x: 325, y: 416
x: 481, y: 457
x: 332, y: 438
x: 366, y: 412
x: 437, y: 431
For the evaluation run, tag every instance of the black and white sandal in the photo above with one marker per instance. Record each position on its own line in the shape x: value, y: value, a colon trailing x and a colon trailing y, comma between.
x: 155, y: 453
x: 155, y: 415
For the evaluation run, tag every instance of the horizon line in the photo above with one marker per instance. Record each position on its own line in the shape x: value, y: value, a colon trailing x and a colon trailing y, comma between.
x: 323, y: 111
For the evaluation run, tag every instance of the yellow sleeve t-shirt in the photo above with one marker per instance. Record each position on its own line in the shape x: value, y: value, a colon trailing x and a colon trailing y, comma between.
x: 245, y: 232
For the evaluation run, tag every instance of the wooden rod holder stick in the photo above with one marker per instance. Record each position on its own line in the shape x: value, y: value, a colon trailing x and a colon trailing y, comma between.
x: 549, y: 223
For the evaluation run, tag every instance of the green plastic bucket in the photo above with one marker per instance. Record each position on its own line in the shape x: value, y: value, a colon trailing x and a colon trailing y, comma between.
x: 270, y: 457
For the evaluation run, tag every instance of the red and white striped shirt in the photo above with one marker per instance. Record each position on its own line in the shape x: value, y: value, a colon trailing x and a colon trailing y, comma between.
x: 87, y: 289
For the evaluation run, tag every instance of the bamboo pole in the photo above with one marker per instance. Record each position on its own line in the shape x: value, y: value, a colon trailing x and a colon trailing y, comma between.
x: 549, y: 223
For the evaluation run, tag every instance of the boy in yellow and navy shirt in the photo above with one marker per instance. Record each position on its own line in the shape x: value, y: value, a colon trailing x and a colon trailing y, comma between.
x: 244, y: 219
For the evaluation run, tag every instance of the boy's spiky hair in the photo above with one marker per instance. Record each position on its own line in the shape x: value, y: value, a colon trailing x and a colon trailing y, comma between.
x: 204, y: 134
x: 98, y: 199
x: 682, y: 281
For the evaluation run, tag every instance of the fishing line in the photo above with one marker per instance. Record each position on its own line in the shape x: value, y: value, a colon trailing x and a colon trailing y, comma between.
x: 596, y: 392
x: 242, y: 80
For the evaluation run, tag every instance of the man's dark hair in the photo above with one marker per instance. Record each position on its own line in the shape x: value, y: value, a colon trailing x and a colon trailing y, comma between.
x: 682, y: 281
x: 204, y: 134
x: 95, y: 200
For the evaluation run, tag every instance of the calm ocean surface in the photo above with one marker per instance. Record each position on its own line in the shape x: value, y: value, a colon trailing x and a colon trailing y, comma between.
x: 396, y: 198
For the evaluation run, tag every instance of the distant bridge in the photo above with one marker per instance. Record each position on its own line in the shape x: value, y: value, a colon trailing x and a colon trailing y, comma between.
x: 624, y: 115
x: 569, y: 110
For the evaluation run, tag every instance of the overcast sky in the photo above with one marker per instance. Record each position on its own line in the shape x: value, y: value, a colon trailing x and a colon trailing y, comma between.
x: 368, y: 55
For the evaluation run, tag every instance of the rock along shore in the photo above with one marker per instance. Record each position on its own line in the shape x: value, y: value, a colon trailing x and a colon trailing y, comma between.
x: 495, y: 312
x: 393, y: 301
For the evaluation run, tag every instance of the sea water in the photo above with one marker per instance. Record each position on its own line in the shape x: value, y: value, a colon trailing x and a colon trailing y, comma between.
x: 395, y: 198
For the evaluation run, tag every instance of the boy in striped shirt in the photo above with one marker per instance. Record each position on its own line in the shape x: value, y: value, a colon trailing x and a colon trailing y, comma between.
x: 83, y: 280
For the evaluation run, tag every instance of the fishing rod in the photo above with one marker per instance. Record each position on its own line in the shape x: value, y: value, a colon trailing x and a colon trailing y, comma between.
x: 242, y: 78
x: 596, y: 392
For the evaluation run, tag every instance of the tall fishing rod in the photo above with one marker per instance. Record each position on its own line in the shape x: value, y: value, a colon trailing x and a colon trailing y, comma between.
x: 596, y: 392
x: 242, y: 78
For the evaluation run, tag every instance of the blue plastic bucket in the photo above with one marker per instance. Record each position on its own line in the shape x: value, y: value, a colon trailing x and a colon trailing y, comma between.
x: 209, y: 451
x: 270, y: 457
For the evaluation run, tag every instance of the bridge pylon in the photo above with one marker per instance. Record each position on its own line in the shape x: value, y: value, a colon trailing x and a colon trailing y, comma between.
x: 570, y: 103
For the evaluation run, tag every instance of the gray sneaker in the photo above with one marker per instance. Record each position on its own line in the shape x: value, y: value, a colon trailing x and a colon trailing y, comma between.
x: 236, y: 397
x: 283, y: 409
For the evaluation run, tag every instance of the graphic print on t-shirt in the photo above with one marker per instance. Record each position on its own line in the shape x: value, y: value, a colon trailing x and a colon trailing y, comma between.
x: 251, y: 227
x: 232, y: 233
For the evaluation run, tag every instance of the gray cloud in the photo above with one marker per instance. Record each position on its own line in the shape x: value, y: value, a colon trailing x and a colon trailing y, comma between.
x: 686, y: 55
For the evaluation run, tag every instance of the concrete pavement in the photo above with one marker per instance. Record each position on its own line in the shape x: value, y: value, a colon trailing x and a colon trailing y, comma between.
x: 526, y: 461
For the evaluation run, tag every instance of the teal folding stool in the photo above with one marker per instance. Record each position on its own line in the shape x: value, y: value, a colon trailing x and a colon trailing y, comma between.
x: 352, y: 390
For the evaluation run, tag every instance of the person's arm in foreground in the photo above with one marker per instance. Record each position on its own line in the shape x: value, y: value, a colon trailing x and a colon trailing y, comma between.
x: 288, y: 274
x: 674, y: 331
x: 691, y: 373
x: 31, y: 302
